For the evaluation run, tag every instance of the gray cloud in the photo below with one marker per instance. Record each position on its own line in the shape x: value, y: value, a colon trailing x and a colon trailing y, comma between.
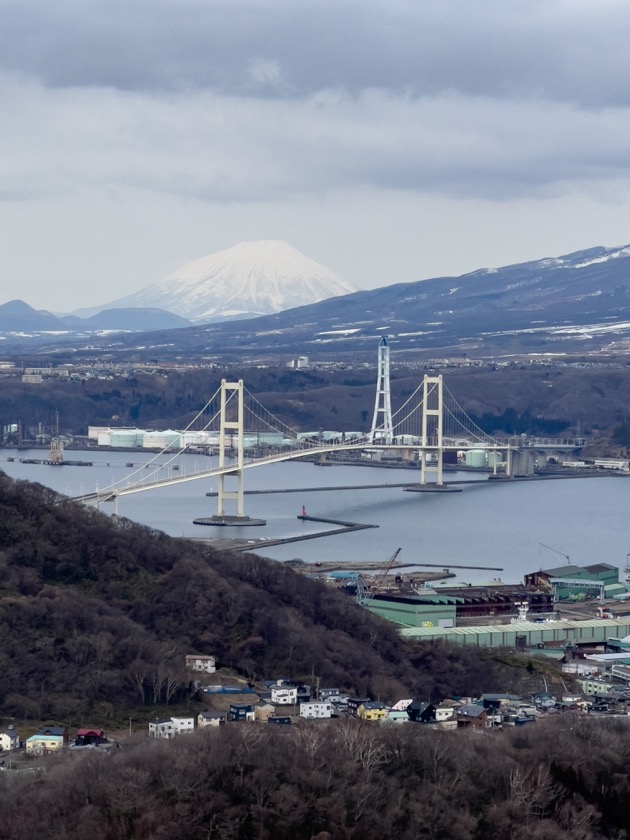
x: 218, y: 148
x: 153, y: 131
x: 553, y: 49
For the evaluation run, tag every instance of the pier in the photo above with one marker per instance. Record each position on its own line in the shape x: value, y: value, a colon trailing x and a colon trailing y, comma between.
x: 255, y: 544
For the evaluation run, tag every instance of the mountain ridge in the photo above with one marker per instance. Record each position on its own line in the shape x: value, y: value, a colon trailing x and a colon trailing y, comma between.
x: 18, y: 316
x: 574, y: 303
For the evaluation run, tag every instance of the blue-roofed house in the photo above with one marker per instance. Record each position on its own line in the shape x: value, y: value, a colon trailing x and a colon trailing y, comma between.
x: 47, y: 739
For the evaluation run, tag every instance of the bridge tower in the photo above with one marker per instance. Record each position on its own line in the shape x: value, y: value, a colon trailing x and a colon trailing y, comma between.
x: 432, y: 427
x: 229, y: 429
x: 382, y: 427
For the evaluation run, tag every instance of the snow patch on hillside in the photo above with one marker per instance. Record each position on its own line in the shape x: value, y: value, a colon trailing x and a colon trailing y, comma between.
x: 612, y: 255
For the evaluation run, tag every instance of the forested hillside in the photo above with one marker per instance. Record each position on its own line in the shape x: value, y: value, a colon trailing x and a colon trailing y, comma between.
x: 563, y: 779
x: 534, y: 399
x: 96, y: 616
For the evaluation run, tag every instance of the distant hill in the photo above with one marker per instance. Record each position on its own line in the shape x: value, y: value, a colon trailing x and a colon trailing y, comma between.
x: 250, y: 279
x: 16, y: 316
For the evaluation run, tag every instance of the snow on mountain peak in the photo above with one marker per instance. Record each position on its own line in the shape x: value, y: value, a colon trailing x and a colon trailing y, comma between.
x: 252, y: 278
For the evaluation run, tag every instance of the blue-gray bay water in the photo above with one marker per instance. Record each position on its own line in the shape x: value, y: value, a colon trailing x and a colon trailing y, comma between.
x: 498, y: 524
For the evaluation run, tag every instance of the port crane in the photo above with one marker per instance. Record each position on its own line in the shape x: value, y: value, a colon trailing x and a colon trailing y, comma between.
x: 366, y: 591
x: 555, y: 553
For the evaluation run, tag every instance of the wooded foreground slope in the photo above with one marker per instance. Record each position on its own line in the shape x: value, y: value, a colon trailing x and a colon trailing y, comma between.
x: 566, y: 779
x: 537, y: 399
x: 97, y: 614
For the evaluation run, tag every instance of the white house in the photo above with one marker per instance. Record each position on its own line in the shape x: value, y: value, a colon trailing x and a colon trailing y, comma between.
x: 183, y: 725
x: 214, y: 719
x: 328, y: 693
x: 444, y: 713
x: 161, y: 728
x: 170, y: 727
x: 197, y: 662
x: 316, y: 709
x: 9, y: 739
x: 284, y: 695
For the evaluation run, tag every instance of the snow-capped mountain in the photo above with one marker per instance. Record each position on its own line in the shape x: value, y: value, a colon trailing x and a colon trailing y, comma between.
x: 250, y: 279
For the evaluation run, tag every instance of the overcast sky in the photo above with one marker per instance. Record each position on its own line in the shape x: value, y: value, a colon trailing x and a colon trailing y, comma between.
x: 390, y: 140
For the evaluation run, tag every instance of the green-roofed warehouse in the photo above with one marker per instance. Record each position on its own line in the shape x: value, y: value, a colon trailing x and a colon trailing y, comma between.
x: 526, y: 633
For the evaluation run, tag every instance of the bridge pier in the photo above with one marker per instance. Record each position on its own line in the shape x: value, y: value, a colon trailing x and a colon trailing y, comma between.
x: 524, y: 462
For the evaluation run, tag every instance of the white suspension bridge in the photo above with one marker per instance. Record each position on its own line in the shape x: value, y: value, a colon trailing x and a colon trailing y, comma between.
x: 430, y: 423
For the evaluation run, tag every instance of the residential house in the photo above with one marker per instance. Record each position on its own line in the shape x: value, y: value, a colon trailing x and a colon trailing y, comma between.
x: 303, y: 693
x: 284, y: 695
x: 544, y: 700
x: 396, y: 716
x: 472, y: 715
x: 47, y: 739
x: 197, y: 662
x: 263, y: 711
x: 9, y: 739
x: 401, y: 705
x: 214, y: 719
x: 279, y: 720
x: 161, y: 728
x: 354, y: 703
x: 170, y: 727
x: 419, y: 711
x: 316, y: 709
x: 183, y: 725
x: 90, y: 737
x: 398, y: 712
x: 498, y: 701
x: 372, y: 710
x: 444, y: 712
x: 328, y: 693
x: 241, y: 711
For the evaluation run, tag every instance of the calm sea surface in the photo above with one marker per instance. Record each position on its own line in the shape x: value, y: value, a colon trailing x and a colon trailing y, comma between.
x: 488, y: 524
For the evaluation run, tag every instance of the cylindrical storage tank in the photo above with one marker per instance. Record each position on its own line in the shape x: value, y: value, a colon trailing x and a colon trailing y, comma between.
x: 476, y: 458
x: 95, y: 431
x: 193, y: 438
x: 270, y: 438
x: 167, y: 439
x: 495, y: 459
x: 124, y: 438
